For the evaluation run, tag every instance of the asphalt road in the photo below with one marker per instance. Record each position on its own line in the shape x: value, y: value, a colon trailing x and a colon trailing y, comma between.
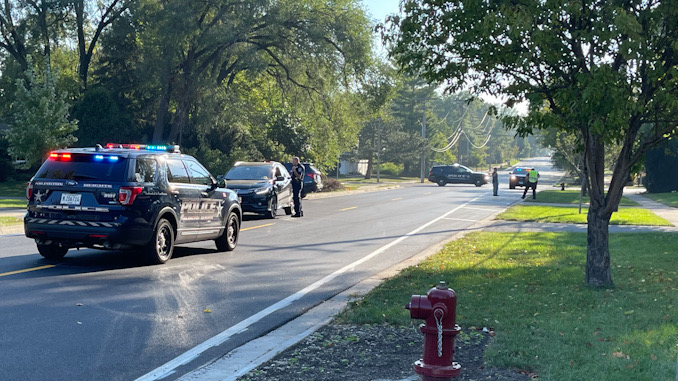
x: 101, y: 315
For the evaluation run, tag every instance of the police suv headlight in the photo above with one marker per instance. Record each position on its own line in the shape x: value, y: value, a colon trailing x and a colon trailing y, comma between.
x: 263, y: 190
x: 513, y: 177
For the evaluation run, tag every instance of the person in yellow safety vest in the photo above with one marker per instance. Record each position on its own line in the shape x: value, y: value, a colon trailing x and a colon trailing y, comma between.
x: 532, y: 178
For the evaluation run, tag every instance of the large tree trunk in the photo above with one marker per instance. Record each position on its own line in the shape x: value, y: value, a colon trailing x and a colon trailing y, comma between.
x: 598, y: 250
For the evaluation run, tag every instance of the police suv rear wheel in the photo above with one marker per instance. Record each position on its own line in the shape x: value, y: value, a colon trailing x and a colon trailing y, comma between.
x: 161, y: 247
x: 52, y: 251
x: 288, y: 210
x: 229, y: 239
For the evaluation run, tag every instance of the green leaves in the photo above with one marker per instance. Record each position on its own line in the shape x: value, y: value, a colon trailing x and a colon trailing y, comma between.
x: 40, y: 122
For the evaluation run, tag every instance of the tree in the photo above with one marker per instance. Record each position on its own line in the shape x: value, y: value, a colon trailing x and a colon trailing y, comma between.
x: 40, y: 119
x: 602, y: 70
x: 107, y: 13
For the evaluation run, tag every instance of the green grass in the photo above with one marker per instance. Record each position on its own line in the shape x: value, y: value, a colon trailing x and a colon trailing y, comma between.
x: 563, y: 214
x: 12, y: 203
x: 670, y: 199
x: 529, y: 288
x: 570, y: 196
x: 13, y: 189
x: 7, y: 221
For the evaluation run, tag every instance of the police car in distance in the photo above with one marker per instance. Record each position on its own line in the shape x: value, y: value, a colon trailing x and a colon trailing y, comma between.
x: 518, y: 177
x: 263, y: 187
x: 128, y: 196
x: 456, y: 174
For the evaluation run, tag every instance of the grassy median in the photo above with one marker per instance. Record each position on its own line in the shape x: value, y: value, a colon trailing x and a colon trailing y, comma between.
x: 13, y: 189
x: 563, y: 214
x: 529, y: 288
x: 569, y: 196
x: 7, y: 221
x: 12, y: 203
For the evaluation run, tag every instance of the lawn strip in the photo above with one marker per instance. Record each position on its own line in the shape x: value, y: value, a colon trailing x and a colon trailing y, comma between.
x: 12, y: 203
x: 564, y: 214
x: 570, y: 196
x: 13, y: 189
x: 529, y: 288
x: 670, y: 199
x: 8, y: 221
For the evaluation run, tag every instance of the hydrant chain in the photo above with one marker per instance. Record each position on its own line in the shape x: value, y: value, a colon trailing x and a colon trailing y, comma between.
x: 439, y: 325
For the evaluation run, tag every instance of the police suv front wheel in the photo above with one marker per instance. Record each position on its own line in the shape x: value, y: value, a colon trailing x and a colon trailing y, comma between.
x: 52, y: 251
x: 159, y: 250
x: 229, y: 239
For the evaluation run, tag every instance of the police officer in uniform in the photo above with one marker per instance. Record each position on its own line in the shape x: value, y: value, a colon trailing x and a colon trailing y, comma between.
x: 495, y: 182
x: 532, y: 178
x: 298, y: 172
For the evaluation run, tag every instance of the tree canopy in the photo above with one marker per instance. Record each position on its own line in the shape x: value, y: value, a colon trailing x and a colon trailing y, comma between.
x: 603, y: 71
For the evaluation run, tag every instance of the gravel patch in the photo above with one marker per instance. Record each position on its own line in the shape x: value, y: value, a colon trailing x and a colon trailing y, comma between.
x: 374, y: 352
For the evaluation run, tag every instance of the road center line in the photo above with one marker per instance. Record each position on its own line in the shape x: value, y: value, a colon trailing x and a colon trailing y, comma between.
x: 27, y: 270
x: 396, y: 199
x: 345, y: 209
x: 188, y: 356
x: 257, y: 227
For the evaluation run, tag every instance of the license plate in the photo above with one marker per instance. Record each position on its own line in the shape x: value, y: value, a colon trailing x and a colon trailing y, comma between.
x: 70, y: 198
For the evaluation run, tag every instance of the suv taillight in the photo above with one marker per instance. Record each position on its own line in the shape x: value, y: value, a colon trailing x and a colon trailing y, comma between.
x: 29, y: 190
x: 126, y: 195
x: 311, y: 175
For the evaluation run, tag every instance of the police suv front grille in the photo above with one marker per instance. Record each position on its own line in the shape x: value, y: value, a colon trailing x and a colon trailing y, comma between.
x: 73, y: 223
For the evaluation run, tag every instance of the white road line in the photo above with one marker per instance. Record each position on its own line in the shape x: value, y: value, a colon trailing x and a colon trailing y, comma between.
x: 486, y: 210
x: 188, y: 356
x: 460, y: 219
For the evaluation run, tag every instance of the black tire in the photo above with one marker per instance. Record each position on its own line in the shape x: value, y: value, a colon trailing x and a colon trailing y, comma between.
x: 52, y: 251
x: 479, y: 183
x: 288, y: 210
x: 229, y: 239
x: 512, y: 186
x: 161, y: 247
x: 303, y: 195
x: 273, y: 207
x: 441, y: 182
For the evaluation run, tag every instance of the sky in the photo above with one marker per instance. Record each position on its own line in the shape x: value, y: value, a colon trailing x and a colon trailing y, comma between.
x: 379, y: 9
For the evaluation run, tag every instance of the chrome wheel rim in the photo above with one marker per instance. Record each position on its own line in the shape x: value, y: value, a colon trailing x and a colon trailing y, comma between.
x: 162, y: 246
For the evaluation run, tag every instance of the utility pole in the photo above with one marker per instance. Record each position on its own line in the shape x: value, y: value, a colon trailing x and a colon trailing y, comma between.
x: 378, y: 148
x: 423, y: 137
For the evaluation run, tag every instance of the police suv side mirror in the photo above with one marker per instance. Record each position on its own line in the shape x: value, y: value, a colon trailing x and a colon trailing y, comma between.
x: 221, y: 181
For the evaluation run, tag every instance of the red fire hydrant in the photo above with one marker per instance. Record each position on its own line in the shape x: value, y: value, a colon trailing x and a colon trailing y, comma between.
x: 439, y: 309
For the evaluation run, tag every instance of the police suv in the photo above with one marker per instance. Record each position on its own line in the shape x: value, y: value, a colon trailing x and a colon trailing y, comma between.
x: 128, y: 196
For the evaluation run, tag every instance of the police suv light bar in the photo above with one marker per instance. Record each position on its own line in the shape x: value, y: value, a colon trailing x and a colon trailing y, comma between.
x: 163, y: 147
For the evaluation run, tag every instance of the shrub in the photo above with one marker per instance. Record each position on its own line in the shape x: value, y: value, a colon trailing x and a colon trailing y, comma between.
x: 389, y: 169
x: 331, y: 184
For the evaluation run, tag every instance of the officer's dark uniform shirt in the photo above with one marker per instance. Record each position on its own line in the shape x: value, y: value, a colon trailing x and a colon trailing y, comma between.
x: 299, y: 176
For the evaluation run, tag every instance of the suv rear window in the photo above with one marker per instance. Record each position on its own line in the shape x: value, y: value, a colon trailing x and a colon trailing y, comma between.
x: 84, y: 167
